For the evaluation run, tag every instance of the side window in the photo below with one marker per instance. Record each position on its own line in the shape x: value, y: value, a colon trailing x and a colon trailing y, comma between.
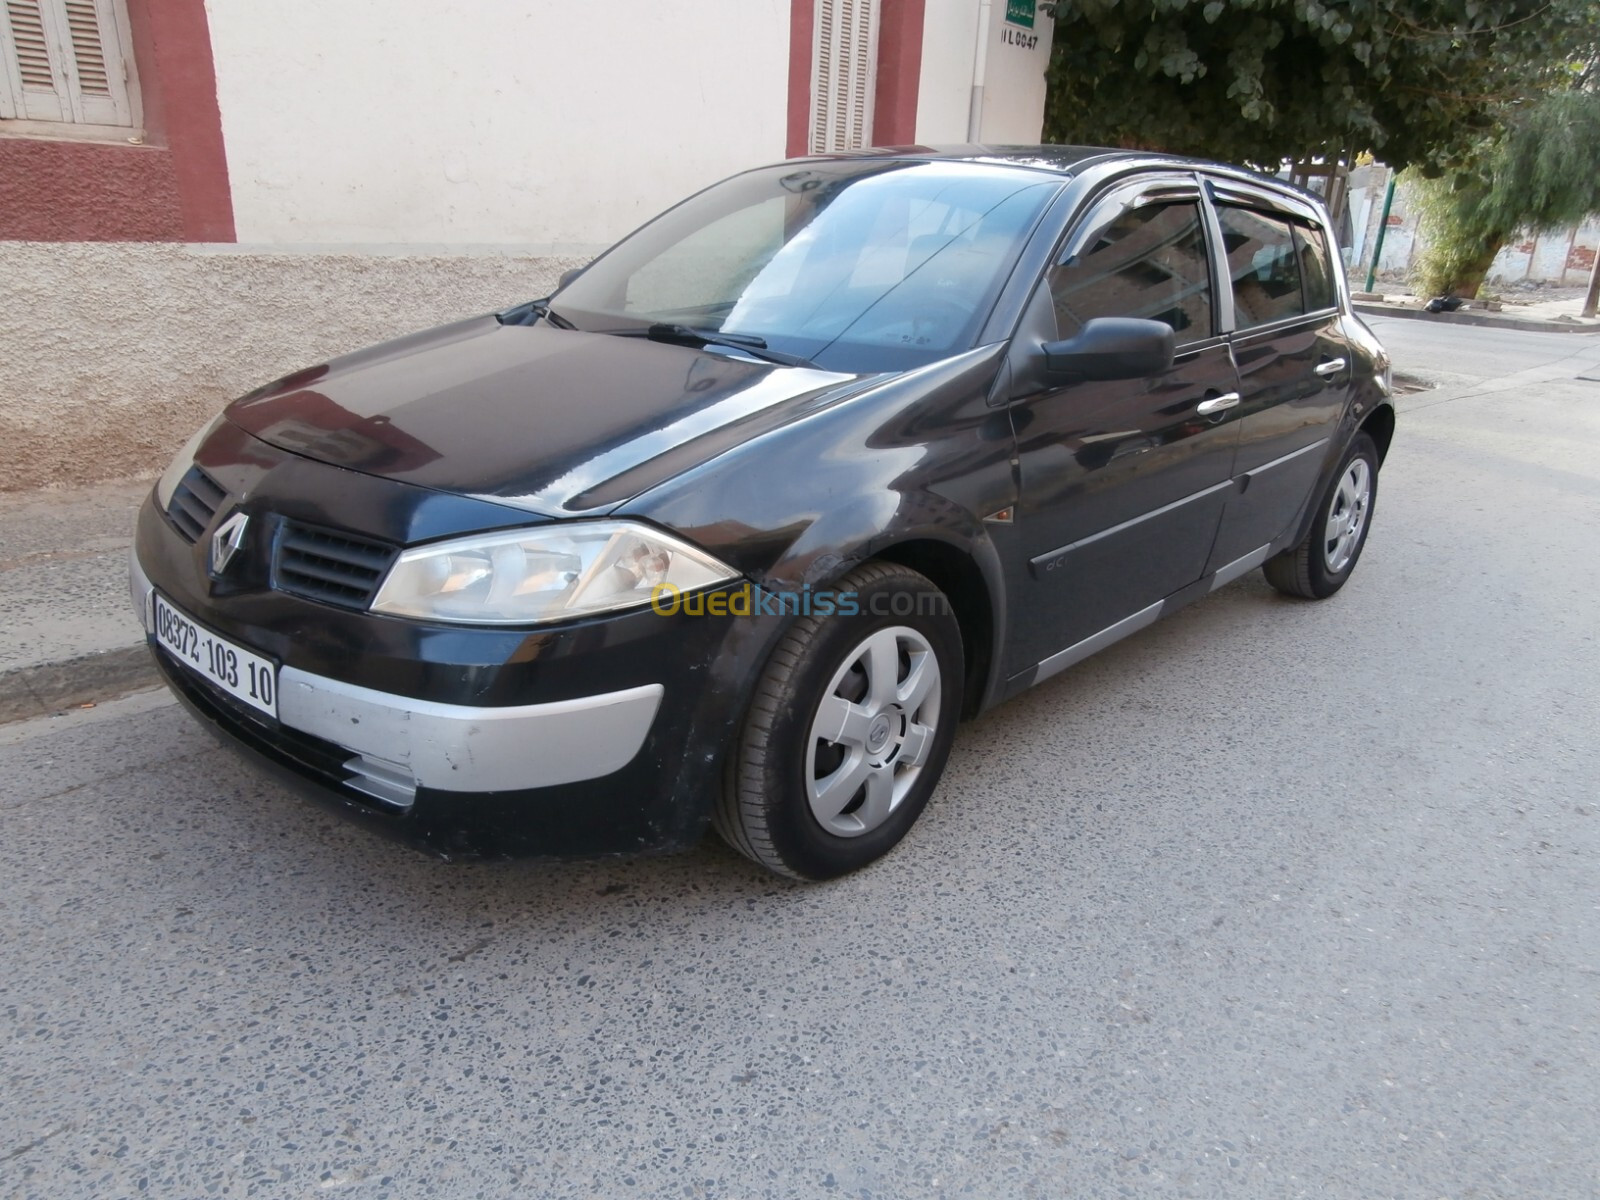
x: 1263, y: 266
x: 1148, y: 262
x: 1315, y: 268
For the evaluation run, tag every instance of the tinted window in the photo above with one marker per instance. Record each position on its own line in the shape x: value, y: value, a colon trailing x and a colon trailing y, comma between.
x: 1263, y: 265
x: 1148, y: 262
x: 1316, y: 269
x: 862, y: 265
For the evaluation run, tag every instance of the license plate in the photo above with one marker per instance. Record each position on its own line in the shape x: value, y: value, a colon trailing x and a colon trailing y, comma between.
x: 228, y: 665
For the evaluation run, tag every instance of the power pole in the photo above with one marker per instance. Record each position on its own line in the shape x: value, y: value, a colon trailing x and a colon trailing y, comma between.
x: 1383, y: 228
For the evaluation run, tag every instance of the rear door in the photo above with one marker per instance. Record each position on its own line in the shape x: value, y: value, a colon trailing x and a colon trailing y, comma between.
x: 1121, y: 482
x: 1294, y: 367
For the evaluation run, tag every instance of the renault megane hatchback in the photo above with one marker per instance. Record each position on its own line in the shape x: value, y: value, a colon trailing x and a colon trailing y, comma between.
x: 737, y: 524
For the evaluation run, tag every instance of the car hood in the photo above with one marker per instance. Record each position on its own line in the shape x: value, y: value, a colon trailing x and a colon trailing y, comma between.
x: 558, y: 422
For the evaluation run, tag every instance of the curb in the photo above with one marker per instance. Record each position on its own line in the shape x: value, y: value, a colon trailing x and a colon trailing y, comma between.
x: 45, y: 688
x: 1487, y: 320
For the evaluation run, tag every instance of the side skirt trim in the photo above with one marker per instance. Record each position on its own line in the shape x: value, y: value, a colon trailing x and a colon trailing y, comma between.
x: 1181, y: 598
x: 1240, y: 566
x: 1079, y: 651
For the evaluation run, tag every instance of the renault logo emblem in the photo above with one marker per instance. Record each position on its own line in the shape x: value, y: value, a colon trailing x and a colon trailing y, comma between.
x: 225, y: 542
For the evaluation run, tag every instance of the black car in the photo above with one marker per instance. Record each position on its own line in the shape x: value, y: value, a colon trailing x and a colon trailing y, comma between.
x: 736, y: 524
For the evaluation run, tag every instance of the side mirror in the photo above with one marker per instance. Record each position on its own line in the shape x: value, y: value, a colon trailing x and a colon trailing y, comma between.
x: 1111, y: 348
x: 568, y: 276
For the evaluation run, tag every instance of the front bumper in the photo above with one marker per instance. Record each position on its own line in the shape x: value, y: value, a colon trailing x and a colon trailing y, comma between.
x: 598, y: 738
x: 401, y: 743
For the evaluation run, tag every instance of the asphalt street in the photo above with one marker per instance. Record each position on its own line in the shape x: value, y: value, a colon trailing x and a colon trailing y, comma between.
x: 1274, y: 899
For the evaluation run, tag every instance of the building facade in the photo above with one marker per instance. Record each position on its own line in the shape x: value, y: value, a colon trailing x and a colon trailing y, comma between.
x: 199, y: 195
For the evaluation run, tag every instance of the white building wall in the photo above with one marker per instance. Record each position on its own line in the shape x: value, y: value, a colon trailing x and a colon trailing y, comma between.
x: 546, y: 123
x: 1513, y: 263
x: 1014, y: 84
x: 1014, y: 74
x: 944, y: 89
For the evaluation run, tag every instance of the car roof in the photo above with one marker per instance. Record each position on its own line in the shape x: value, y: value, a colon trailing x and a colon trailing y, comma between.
x: 1060, y: 160
x: 1064, y: 161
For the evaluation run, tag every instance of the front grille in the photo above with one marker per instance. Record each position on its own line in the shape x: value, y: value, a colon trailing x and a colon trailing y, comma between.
x: 194, y: 502
x: 326, y: 565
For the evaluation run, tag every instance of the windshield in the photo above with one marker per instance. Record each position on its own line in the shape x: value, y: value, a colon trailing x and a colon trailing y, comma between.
x: 865, y: 265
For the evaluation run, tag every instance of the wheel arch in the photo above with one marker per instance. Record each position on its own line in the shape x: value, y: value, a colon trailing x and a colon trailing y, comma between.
x: 958, y: 575
x: 1379, y: 426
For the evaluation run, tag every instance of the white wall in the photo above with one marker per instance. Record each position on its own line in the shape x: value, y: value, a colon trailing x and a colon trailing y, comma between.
x: 1561, y: 257
x: 553, y: 123
x: 944, y: 90
x: 1014, y: 86
x: 1013, y: 92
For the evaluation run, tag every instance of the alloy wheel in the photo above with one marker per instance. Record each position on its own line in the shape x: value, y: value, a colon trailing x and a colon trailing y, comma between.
x: 873, y: 731
x: 1347, y: 516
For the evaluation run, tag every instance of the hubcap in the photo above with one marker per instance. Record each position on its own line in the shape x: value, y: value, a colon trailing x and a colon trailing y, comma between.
x: 1347, y: 516
x: 872, y: 731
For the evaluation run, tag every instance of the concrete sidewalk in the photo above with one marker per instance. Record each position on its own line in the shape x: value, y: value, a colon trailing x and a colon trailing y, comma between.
x: 68, y: 635
x: 1544, y: 316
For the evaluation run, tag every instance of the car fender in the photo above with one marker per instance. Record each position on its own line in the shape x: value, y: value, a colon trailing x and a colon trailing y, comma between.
x: 921, y: 458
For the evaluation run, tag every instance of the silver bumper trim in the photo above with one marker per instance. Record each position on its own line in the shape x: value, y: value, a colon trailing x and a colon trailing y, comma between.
x: 456, y: 747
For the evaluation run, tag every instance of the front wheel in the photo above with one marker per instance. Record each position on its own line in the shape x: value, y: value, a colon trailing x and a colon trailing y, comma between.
x: 848, y: 730
x: 1320, y: 564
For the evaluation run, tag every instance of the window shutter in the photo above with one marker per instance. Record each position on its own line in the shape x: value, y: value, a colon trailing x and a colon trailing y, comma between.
x: 843, y: 74
x: 65, y: 61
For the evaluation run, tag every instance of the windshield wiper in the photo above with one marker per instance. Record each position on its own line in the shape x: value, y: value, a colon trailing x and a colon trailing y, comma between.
x: 662, y: 332
x: 527, y: 314
x: 685, y: 335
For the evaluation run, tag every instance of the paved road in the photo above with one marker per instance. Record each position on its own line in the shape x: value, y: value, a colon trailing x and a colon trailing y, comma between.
x: 1275, y: 899
x: 1465, y: 354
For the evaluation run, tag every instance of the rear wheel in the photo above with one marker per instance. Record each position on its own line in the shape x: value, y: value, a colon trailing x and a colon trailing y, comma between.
x: 848, y: 731
x: 1318, y: 566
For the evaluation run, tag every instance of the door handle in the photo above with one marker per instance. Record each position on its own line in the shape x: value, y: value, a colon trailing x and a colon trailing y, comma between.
x: 1332, y: 367
x: 1217, y: 404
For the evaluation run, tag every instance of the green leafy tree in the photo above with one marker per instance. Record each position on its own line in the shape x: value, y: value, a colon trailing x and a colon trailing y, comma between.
x: 1539, y: 171
x: 1415, y: 82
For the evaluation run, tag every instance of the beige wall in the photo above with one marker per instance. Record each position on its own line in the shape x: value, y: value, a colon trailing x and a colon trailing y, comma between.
x: 114, y: 353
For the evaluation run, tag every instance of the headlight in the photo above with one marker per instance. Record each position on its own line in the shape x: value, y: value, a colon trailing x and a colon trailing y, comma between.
x: 551, y: 573
x: 179, y: 467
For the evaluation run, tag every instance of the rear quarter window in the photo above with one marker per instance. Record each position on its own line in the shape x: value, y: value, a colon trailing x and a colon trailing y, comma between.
x: 1316, y: 266
x: 1263, y: 266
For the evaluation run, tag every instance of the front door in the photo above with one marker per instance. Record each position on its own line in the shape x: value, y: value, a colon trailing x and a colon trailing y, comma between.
x: 1294, y: 374
x: 1122, y: 483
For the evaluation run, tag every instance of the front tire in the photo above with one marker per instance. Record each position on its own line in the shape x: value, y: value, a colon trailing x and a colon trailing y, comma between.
x: 848, y: 730
x: 1320, y: 564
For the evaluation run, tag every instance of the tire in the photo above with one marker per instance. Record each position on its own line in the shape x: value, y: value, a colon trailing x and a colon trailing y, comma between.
x: 1320, y: 564
x: 783, y: 802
